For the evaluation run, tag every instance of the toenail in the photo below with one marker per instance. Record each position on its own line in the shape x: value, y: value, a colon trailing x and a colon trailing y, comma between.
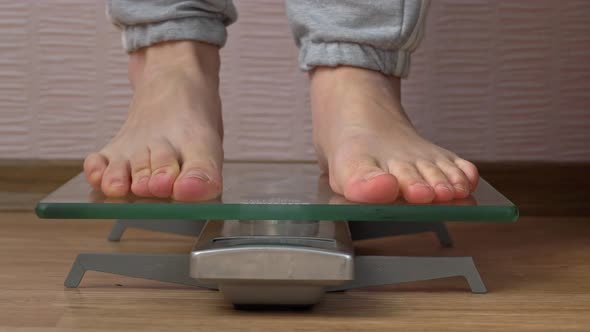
x: 371, y: 175
x: 116, y: 183
x: 460, y: 187
x: 444, y: 186
x: 420, y: 184
x: 198, y: 175
x: 143, y: 179
x: 161, y: 174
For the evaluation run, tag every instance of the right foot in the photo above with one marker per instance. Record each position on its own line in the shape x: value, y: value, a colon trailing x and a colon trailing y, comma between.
x: 171, y: 143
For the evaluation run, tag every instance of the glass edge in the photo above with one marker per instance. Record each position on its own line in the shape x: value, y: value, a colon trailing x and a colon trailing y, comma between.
x: 491, y: 213
x: 40, y: 209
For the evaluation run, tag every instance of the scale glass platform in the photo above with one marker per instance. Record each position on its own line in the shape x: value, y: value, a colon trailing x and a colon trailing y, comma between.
x: 258, y: 191
x: 278, y: 235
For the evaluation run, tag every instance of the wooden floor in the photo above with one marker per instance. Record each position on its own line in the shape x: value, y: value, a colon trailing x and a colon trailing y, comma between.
x: 537, y: 271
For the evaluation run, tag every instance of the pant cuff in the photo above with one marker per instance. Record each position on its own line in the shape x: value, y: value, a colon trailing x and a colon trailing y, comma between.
x: 332, y: 54
x: 202, y: 29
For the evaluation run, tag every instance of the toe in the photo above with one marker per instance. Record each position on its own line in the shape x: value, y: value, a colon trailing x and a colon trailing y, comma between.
x: 413, y: 186
x: 165, y: 169
x: 456, y: 178
x: 437, y: 179
x: 200, y: 176
x: 94, y: 167
x: 198, y: 181
x: 362, y: 180
x: 116, y: 179
x: 470, y: 171
x: 140, y: 173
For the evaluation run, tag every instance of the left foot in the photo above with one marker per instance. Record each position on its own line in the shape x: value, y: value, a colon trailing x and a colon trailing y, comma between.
x: 370, y: 149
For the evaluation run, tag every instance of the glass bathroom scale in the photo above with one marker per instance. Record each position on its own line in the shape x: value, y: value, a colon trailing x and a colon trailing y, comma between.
x: 272, y: 191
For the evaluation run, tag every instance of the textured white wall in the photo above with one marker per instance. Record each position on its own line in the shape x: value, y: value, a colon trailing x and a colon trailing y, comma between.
x: 493, y: 80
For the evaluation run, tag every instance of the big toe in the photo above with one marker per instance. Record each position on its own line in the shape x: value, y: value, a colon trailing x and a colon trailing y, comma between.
x: 200, y: 177
x: 362, y: 180
x: 197, y: 182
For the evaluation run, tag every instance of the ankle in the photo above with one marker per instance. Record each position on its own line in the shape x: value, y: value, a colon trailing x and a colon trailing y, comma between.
x: 191, y: 58
x: 358, y: 95
x: 329, y: 78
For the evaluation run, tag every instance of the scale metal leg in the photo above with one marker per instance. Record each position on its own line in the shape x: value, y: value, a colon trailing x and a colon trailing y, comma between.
x: 180, y: 227
x: 162, y: 267
x: 389, y: 270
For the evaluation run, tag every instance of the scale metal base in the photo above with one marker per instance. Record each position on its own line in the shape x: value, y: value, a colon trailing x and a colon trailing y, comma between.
x: 278, y: 263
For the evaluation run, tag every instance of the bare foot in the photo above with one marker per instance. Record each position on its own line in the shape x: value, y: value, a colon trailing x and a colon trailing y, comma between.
x: 171, y: 143
x: 370, y: 149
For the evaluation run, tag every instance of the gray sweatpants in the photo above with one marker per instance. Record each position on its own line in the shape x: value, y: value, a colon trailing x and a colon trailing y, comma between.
x: 373, y: 34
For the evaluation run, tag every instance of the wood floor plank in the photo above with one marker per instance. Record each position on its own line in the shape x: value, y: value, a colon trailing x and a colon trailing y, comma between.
x: 537, y: 271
